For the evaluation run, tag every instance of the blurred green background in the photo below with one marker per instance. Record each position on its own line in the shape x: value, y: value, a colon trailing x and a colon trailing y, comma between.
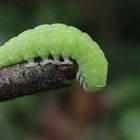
x: 70, y: 114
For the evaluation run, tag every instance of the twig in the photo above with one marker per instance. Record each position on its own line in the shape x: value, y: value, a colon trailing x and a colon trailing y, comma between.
x: 18, y: 80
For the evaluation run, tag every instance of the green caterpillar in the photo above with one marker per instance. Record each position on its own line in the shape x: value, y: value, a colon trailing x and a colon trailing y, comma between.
x: 58, y: 40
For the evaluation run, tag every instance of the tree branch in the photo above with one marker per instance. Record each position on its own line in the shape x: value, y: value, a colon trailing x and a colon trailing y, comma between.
x: 18, y: 80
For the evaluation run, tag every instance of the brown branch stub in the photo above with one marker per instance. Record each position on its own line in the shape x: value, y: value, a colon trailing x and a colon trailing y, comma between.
x: 18, y: 80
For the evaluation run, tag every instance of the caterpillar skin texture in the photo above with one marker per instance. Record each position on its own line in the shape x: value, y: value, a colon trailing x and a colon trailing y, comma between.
x: 59, y: 40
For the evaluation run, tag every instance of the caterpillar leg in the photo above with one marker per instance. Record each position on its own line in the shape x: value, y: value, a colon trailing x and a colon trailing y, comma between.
x: 31, y: 63
x: 78, y: 75
x: 66, y: 61
x: 81, y: 80
x: 45, y: 61
x: 56, y: 60
x: 85, y: 87
x: 82, y: 83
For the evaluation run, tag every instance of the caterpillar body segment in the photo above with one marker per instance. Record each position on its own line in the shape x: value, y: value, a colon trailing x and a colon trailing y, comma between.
x: 58, y: 40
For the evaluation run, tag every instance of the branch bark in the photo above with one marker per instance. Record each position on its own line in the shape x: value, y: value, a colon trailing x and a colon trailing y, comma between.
x: 18, y: 80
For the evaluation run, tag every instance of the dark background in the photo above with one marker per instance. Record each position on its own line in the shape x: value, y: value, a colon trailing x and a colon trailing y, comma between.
x: 68, y: 114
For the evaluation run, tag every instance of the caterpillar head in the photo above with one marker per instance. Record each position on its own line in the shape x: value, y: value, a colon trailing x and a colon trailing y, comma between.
x: 92, y: 70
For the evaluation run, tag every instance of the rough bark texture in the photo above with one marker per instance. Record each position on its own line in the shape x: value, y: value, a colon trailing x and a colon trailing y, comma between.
x: 18, y: 80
